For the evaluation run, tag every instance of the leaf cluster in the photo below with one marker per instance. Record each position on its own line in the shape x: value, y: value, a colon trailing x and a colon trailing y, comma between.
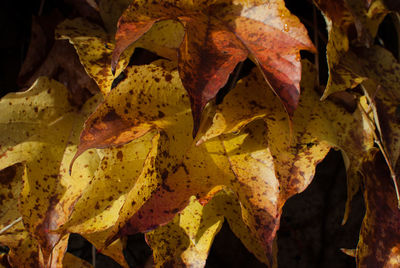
x: 153, y: 152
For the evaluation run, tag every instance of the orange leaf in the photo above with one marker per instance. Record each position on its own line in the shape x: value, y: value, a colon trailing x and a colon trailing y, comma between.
x: 218, y: 37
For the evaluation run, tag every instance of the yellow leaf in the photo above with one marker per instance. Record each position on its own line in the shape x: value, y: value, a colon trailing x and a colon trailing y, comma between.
x: 11, y: 181
x: 187, y: 239
x: 152, y: 97
x: 24, y: 250
x: 41, y: 130
x: 94, y: 46
x: 317, y: 126
x: 113, y: 250
x: 94, y: 49
x: 71, y: 261
x: 106, y: 193
x: 383, y: 92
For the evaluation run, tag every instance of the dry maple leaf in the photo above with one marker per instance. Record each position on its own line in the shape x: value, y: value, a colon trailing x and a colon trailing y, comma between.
x: 344, y: 17
x: 379, y: 243
x: 219, y: 35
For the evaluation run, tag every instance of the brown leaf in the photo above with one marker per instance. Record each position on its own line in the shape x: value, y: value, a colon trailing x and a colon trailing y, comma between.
x: 379, y: 244
x: 55, y: 59
x: 350, y: 23
x: 379, y: 74
x: 383, y: 92
x: 220, y: 35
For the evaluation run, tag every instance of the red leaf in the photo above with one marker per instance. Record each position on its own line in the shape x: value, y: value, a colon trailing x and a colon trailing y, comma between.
x: 218, y: 37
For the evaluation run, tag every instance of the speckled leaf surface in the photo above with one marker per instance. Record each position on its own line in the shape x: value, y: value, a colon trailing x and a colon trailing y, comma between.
x: 42, y: 130
x: 187, y: 239
x: 379, y: 243
x: 71, y: 261
x: 117, y: 173
x: 181, y: 169
x: 219, y: 35
x: 24, y: 249
x: 380, y: 73
x: 149, y: 98
x: 316, y: 125
x: 114, y: 250
x: 383, y: 92
x: 94, y: 49
x: 344, y: 17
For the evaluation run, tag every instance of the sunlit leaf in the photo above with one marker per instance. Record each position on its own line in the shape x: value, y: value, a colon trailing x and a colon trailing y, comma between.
x: 315, y: 124
x: 219, y: 35
x: 71, y: 261
x: 94, y: 49
x: 41, y: 130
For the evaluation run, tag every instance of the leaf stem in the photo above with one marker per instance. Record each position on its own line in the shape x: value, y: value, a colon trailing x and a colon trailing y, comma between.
x: 2, y: 231
x: 381, y: 148
x: 392, y: 173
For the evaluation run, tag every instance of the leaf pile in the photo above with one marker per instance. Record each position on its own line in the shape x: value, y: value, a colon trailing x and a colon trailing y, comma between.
x: 126, y: 161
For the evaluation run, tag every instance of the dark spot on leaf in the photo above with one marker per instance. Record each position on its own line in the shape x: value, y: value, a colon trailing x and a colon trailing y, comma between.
x: 120, y: 155
x: 175, y: 210
x: 111, y: 116
x: 7, y: 175
x: 168, y: 77
x: 164, y: 174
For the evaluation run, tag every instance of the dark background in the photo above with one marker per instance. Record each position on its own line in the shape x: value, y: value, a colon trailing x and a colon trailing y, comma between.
x: 310, y: 235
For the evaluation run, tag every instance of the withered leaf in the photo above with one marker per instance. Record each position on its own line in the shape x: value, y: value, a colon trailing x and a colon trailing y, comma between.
x: 219, y: 35
x: 343, y: 18
x: 379, y: 243
x: 383, y: 92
